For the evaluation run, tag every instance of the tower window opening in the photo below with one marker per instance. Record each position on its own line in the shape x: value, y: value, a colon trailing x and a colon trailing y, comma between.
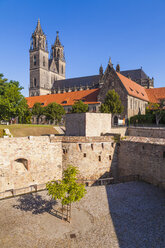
x: 99, y: 158
x: 62, y: 69
x: 34, y: 59
x: 80, y: 147
x: 43, y: 60
x: 35, y: 83
x: 92, y: 146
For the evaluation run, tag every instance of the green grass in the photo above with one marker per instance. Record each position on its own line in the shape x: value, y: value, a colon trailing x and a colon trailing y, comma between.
x: 22, y: 130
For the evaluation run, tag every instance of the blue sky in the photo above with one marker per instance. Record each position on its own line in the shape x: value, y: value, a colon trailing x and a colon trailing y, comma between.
x: 131, y: 32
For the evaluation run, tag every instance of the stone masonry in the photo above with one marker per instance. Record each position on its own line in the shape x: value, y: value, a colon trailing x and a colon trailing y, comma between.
x: 144, y: 157
x: 84, y: 124
x: 32, y: 162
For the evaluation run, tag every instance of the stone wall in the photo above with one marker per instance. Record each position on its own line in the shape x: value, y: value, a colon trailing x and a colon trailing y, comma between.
x: 152, y: 132
x: 144, y: 157
x: 29, y: 161
x: 94, y: 156
x: 87, y: 124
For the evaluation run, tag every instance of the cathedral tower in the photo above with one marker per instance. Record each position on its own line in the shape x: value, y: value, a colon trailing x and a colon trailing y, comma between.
x: 44, y: 72
x: 57, y: 54
x: 39, y: 74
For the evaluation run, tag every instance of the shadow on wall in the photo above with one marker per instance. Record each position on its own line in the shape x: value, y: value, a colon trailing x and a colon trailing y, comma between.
x: 35, y: 204
x: 137, y: 211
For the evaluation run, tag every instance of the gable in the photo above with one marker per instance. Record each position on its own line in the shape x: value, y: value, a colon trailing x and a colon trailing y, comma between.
x: 53, y: 66
x: 133, y: 88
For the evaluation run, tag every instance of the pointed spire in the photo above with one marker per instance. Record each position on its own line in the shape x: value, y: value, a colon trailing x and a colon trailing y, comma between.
x: 101, y: 70
x: 118, y: 68
x: 110, y: 62
x: 57, y: 41
x: 38, y: 29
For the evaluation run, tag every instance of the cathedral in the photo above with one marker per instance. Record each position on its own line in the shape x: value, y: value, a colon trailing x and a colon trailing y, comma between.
x: 48, y: 83
x: 47, y: 73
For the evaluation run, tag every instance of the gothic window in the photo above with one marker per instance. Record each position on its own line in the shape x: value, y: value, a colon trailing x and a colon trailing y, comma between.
x: 62, y: 70
x: 35, y: 83
x: 130, y: 103
x: 34, y: 43
x: 94, y: 109
x: 43, y: 60
x: 34, y: 59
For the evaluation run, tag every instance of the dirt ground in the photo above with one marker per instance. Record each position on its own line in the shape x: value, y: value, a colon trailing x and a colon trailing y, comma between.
x: 127, y: 215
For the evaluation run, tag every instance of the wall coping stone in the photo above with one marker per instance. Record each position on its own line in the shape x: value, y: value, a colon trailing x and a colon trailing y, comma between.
x: 138, y: 139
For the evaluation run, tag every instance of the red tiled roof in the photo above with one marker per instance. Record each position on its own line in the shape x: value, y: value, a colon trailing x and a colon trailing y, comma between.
x: 133, y: 88
x: 155, y: 94
x: 65, y: 99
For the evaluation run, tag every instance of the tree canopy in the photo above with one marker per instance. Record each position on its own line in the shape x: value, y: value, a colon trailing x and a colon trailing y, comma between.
x: 112, y: 103
x: 12, y: 102
x: 79, y: 107
x: 158, y: 109
x: 54, y: 112
x: 67, y: 190
x: 37, y: 110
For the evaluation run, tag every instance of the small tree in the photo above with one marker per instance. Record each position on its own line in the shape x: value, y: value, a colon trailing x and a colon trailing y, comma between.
x: 54, y: 112
x: 67, y: 190
x: 158, y: 110
x: 112, y: 103
x: 37, y: 110
x: 79, y: 107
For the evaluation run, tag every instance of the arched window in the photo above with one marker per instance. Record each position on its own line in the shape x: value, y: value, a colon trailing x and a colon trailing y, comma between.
x: 35, y: 82
x: 43, y: 60
x: 62, y: 69
x: 115, y: 120
x: 23, y: 161
x: 34, y: 60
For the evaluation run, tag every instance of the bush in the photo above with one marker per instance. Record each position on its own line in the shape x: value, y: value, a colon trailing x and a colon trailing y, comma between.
x: 143, y: 119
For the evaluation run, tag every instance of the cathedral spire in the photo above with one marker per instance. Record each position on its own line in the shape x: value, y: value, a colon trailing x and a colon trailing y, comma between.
x: 110, y: 62
x: 57, y: 41
x: 101, y: 70
x: 38, y: 29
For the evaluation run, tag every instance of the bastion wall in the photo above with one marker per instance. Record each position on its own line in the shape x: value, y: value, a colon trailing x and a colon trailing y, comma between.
x: 152, y: 132
x: 144, y: 157
x: 30, y: 162
x: 26, y: 164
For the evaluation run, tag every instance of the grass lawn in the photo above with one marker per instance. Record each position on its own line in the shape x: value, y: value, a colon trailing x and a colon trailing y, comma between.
x: 22, y: 130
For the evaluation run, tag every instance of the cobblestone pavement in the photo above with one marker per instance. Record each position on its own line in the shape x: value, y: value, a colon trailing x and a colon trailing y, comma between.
x: 129, y: 215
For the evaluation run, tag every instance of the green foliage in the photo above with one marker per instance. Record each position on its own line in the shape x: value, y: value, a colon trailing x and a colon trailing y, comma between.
x: 155, y: 113
x: 112, y: 103
x: 157, y: 109
x: 143, y: 119
x: 79, y: 107
x: 67, y: 190
x: 54, y: 112
x: 12, y: 102
x: 37, y: 110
